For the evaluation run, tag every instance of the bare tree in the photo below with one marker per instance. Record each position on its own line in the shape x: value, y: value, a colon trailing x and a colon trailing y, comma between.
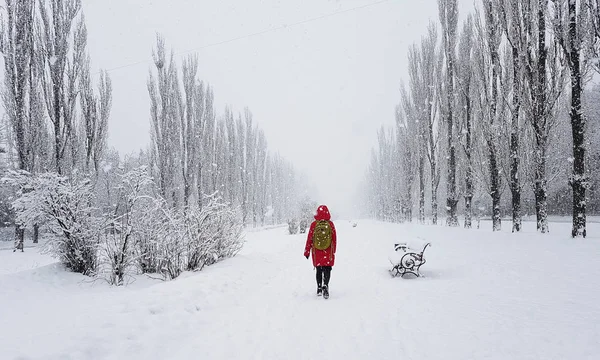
x: 411, y: 104
x: 16, y: 45
x: 465, y: 81
x: 544, y: 83
x: 260, y: 181
x: 448, y: 11
x: 231, y: 160
x: 406, y: 132
x: 572, y: 30
x: 95, y: 111
x: 103, y: 113
x: 512, y: 19
x: 593, y: 9
x: 249, y: 158
x: 208, y: 144
x: 166, y: 142
x: 62, y: 42
x: 426, y: 59
x: 488, y: 66
x: 189, y: 129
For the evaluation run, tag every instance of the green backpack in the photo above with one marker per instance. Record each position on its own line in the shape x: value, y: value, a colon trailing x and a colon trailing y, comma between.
x: 322, y: 235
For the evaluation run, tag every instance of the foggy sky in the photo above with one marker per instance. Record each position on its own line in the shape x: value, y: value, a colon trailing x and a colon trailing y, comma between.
x: 320, y: 90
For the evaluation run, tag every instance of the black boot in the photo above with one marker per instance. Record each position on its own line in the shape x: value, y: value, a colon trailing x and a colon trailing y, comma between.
x: 319, y: 280
x: 325, y: 291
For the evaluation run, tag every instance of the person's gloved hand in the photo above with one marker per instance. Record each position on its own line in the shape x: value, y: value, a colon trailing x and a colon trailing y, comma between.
x: 306, y: 256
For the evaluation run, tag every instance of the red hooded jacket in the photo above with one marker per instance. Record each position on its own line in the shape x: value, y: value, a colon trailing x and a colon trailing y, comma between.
x: 321, y: 257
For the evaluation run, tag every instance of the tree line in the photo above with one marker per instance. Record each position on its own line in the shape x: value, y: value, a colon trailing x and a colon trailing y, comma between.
x: 502, y: 103
x: 203, y: 176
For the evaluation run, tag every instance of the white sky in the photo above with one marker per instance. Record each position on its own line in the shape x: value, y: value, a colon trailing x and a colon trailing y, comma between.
x: 337, y: 77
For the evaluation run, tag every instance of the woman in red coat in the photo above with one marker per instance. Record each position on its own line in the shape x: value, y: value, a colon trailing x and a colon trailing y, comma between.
x: 323, y: 258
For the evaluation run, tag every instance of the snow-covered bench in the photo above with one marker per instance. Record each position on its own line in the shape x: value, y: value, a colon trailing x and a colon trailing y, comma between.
x: 407, y: 260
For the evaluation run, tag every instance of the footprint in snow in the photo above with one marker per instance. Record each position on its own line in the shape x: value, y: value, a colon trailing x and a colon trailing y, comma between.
x: 156, y: 310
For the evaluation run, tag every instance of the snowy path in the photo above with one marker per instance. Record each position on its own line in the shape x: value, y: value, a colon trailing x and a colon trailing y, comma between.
x: 485, y: 296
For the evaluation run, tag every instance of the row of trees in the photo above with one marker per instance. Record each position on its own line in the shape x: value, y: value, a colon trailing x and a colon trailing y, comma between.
x: 179, y: 205
x: 57, y: 119
x: 500, y: 93
x: 194, y: 153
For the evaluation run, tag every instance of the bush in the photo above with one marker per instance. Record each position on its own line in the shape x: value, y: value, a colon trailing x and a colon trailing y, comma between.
x: 67, y: 209
x: 119, y: 225
x: 292, y: 226
x: 303, y: 226
x: 135, y: 232
x: 171, y: 241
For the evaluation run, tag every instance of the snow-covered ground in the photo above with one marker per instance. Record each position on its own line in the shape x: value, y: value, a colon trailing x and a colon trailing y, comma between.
x: 484, y: 296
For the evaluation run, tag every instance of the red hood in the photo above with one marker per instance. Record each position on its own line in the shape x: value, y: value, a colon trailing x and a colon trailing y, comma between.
x: 323, y: 213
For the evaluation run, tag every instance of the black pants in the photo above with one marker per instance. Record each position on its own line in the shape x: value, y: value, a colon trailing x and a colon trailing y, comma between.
x: 323, y: 273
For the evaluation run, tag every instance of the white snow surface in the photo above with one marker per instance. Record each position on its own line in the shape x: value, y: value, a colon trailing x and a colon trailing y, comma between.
x: 484, y: 295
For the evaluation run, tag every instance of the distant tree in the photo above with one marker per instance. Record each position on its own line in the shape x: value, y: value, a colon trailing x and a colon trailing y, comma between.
x: 544, y: 84
x: 425, y: 96
x: 488, y: 67
x: 448, y: 12
x: 593, y: 9
x: 465, y: 85
x: 165, y: 124
x: 62, y: 56
x: 406, y: 132
x: 16, y: 44
x: 414, y: 116
x: 95, y: 111
x: 573, y: 28
x: 512, y: 20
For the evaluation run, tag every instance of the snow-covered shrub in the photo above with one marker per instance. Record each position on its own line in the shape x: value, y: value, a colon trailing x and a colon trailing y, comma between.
x: 170, y: 241
x: 292, y: 226
x: 118, y: 253
x: 66, y: 207
x: 149, y: 234
x: 161, y: 242
x: 303, y: 225
x: 129, y: 229
x: 213, y: 233
x: 7, y: 215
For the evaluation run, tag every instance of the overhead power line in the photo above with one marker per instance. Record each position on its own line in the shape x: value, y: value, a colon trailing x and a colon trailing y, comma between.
x: 281, y: 27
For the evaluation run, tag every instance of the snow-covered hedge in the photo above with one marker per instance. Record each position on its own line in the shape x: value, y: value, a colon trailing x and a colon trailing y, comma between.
x: 187, y: 240
x: 120, y: 223
x: 132, y: 232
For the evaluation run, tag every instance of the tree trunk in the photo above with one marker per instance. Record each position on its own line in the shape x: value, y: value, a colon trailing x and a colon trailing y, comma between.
x: 540, y: 191
x: 422, y: 190
x: 434, y: 202
x: 57, y: 128
x: 19, y: 238
x: 408, y: 202
x: 468, y: 211
x: 494, y: 168
x: 515, y: 186
x: 451, y: 199
x: 36, y: 233
x: 469, y: 172
x: 494, y: 187
x: 540, y: 122
x: 433, y: 167
x: 469, y: 195
x: 578, y: 182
